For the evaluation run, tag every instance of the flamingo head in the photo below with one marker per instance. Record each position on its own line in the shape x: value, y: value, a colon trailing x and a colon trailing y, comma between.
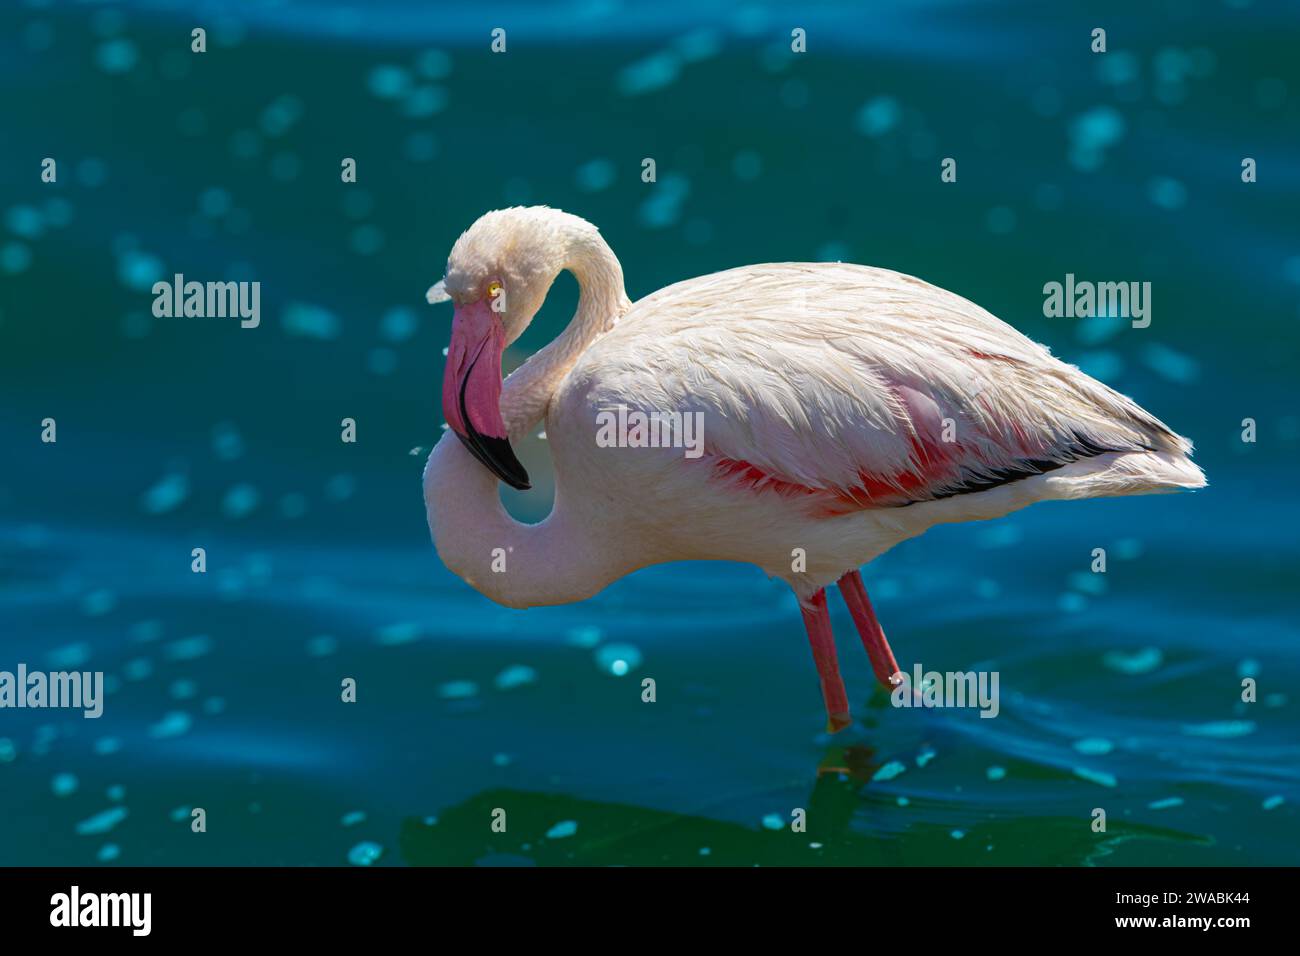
x: 497, y: 277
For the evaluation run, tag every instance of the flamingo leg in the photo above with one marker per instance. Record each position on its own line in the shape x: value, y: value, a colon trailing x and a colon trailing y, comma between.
x: 817, y: 619
x: 873, y: 637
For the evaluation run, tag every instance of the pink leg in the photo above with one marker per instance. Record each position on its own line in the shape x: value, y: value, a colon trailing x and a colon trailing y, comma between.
x: 873, y: 638
x: 818, y: 622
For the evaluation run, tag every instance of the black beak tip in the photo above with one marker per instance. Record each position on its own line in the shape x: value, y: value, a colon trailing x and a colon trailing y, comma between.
x: 499, y: 458
x: 495, y: 453
x: 516, y: 477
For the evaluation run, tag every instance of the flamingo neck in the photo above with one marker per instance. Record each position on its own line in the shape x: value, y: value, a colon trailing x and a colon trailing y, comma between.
x: 527, y: 391
x: 515, y: 564
x: 555, y: 561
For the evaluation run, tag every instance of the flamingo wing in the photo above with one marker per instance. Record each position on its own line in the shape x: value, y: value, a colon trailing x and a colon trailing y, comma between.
x: 860, y: 388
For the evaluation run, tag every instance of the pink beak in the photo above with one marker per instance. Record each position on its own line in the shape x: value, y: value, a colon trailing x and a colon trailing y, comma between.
x: 471, y: 391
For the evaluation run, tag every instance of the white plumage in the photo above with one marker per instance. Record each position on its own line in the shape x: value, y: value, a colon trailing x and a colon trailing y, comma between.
x: 844, y: 409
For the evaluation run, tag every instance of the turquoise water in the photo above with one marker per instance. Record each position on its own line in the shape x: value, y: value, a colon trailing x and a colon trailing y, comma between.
x: 1119, y: 691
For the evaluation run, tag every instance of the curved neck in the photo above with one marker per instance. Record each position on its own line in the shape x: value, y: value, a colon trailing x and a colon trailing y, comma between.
x: 553, y: 561
x: 527, y: 391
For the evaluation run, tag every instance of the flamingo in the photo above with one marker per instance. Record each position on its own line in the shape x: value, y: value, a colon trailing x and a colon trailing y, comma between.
x: 844, y: 409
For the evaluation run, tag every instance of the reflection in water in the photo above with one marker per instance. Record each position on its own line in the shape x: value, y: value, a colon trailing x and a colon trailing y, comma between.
x: 553, y: 829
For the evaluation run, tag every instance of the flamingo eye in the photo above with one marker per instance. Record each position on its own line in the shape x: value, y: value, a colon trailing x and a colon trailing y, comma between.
x: 494, y: 289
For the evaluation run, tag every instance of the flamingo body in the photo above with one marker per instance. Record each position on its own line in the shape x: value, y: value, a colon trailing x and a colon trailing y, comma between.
x: 823, y: 390
x: 844, y: 409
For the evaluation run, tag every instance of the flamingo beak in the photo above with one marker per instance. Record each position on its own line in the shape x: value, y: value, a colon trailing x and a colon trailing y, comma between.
x: 471, y: 391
